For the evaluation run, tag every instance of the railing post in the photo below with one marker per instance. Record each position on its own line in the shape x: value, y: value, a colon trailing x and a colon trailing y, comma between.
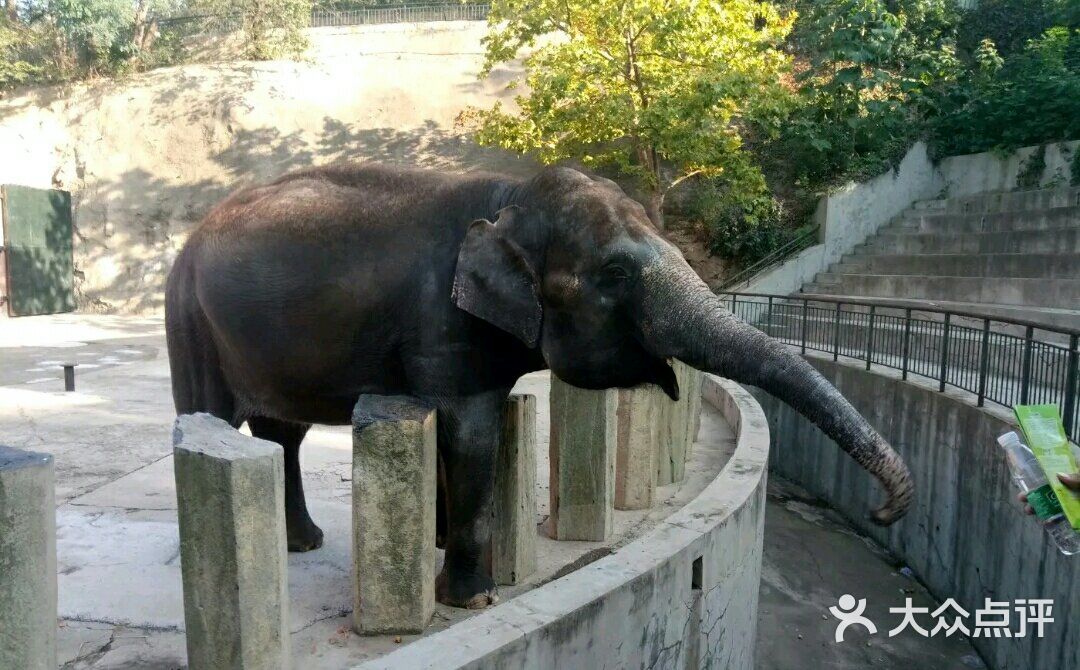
x: 836, y: 334
x: 944, y: 370
x: 984, y: 362
x: 1025, y: 378
x: 733, y: 298
x: 805, y: 307
x: 907, y: 344
x: 870, y: 338
x: 768, y: 322
x: 1069, y: 405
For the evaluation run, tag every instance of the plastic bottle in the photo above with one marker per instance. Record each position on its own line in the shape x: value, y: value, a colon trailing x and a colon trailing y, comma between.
x: 1030, y: 479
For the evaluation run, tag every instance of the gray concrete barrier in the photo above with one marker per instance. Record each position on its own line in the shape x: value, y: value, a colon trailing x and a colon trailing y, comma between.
x: 965, y: 536
x: 27, y: 560
x: 636, y: 446
x: 513, y: 528
x: 230, y: 495
x: 394, y: 471
x: 582, y: 461
x: 683, y: 596
x: 678, y: 425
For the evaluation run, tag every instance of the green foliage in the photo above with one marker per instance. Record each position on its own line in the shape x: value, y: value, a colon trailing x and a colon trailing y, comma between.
x: 271, y: 28
x: 1030, y: 98
x: 1030, y: 173
x: 1010, y: 24
x: 660, y: 89
x: 15, y: 69
x: 99, y: 31
x: 739, y: 216
x: 870, y: 65
x: 58, y: 40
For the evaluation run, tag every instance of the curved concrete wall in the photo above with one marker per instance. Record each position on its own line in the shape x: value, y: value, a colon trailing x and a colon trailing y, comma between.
x: 683, y: 596
x: 965, y: 537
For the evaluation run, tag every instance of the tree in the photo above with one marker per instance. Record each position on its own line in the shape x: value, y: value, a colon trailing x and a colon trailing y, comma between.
x: 271, y: 28
x: 661, y: 89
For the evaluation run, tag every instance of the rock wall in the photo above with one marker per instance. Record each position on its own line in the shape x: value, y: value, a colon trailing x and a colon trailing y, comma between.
x: 146, y: 156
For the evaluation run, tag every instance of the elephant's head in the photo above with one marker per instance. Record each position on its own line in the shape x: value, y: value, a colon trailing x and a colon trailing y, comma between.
x: 575, y: 268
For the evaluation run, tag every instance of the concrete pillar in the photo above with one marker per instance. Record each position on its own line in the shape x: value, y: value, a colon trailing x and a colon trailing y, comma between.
x: 635, y: 457
x: 694, y: 379
x: 27, y: 561
x: 582, y: 458
x: 678, y: 425
x: 394, y: 470
x: 230, y: 502
x: 513, y: 528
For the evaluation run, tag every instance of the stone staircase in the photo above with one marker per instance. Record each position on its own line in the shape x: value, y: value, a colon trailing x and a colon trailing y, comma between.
x: 1009, y: 254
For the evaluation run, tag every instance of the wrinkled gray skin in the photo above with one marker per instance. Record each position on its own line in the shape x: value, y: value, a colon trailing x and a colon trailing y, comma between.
x: 293, y: 298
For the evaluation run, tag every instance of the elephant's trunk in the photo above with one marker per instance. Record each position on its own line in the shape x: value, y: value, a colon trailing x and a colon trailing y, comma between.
x: 680, y: 317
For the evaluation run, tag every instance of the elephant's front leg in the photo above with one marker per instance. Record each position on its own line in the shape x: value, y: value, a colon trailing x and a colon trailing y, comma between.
x: 468, y: 436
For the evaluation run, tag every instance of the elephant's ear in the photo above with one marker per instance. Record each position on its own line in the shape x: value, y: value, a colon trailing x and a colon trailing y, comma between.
x: 494, y: 282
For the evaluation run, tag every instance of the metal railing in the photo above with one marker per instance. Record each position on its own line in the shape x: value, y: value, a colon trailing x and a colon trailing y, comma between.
x: 320, y: 18
x: 1003, y: 361
x: 402, y: 14
x: 793, y: 246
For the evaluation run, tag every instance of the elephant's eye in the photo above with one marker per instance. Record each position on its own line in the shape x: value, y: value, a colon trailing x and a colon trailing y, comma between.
x: 614, y: 272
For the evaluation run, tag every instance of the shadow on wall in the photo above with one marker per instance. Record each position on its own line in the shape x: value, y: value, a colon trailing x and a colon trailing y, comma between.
x: 125, y: 247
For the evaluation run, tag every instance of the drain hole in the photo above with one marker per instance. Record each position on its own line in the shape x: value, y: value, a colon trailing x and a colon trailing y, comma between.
x: 695, y: 574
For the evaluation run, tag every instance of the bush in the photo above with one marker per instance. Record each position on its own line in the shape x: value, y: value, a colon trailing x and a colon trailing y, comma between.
x: 738, y: 217
x: 1030, y: 98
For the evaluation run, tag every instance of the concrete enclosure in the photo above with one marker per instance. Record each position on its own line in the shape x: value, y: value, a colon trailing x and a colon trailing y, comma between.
x: 583, y: 446
x: 27, y: 560
x: 850, y: 215
x: 513, y: 528
x: 230, y: 495
x: 393, y: 514
x: 683, y: 596
x: 965, y: 536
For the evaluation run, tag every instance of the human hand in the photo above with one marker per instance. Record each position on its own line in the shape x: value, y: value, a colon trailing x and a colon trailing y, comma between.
x: 1071, y: 482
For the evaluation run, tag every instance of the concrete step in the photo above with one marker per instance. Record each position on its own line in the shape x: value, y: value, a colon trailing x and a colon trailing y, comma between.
x: 1048, y: 241
x: 1051, y: 317
x: 1063, y: 293
x: 1028, y: 220
x: 1003, y: 201
x: 1046, y: 266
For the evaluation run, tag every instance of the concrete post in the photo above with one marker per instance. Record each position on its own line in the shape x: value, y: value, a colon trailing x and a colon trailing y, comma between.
x: 27, y: 560
x: 582, y: 458
x: 694, y: 380
x: 394, y: 470
x: 230, y: 495
x: 678, y: 425
x: 635, y: 457
x: 513, y: 528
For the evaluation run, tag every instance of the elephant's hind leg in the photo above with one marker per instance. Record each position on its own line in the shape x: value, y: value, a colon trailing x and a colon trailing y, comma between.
x: 302, y: 532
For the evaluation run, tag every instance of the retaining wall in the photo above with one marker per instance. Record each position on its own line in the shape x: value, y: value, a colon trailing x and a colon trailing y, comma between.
x: 683, y: 596
x: 965, y: 536
x: 853, y: 213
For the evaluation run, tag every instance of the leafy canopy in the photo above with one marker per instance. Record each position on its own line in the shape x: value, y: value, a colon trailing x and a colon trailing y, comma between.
x: 638, y: 84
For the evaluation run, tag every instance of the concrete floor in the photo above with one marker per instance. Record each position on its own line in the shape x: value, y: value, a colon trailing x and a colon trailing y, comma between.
x: 120, y: 598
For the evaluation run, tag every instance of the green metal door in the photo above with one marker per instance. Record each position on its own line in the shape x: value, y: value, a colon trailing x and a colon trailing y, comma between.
x: 37, y: 247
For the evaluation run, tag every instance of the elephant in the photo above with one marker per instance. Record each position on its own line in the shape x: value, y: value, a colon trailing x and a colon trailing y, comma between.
x: 292, y: 298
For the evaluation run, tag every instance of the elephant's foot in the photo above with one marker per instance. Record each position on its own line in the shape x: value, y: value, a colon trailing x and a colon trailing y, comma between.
x: 303, y: 534
x: 474, y: 592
